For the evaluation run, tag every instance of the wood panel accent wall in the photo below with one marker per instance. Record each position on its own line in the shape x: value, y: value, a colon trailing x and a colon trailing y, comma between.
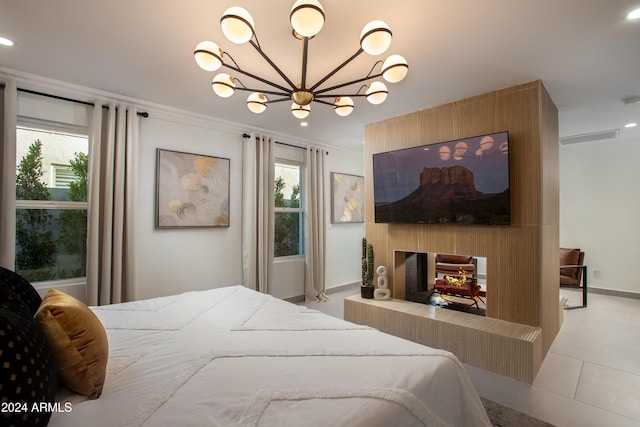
x: 506, y: 348
x: 522, y: 259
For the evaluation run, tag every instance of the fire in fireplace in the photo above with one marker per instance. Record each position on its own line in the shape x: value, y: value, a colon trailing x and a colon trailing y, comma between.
x: 463, y: 289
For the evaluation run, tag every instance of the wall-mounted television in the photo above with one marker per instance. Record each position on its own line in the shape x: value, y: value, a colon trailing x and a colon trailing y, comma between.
x: 465, y: 181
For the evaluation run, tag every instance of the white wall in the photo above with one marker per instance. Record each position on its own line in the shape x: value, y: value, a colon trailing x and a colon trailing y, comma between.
x: 343, y: 240
x: 178, y: 260
x: 599, y: 205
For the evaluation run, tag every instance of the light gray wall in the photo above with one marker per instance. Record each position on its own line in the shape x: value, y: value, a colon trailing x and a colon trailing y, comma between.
x: 343, y: 240
x: 178, y: 260
x: 599, y: 205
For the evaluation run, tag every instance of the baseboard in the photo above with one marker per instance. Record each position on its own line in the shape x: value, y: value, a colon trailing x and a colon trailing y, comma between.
x: 342, y: 287
x: 300, y: 298
x: 613, y: 293
x: 296, y: 299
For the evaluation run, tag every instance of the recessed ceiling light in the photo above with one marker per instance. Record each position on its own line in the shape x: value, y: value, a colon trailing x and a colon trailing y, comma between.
x: 304, y: 124
x: 631, y: 125
x: 5, y: 42
x: 634, y: 14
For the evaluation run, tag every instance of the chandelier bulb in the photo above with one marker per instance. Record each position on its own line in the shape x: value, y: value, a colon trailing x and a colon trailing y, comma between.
x: 343, y: 106
x: 376, y: 93
x: 395, y: 68
x: 223, y: 85
x: 375, y: 38
x: 237, y: 25
x: 300, y: 111
x: 307, y: 17
x: 257, y: 102
x: 208, y: 55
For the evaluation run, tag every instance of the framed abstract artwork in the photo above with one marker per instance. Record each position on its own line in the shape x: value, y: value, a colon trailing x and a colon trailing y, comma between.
x: 347, y: 198
x: 192, y: 190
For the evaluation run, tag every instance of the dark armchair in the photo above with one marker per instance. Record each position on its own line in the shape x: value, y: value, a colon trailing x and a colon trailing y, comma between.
x: 573, y: 272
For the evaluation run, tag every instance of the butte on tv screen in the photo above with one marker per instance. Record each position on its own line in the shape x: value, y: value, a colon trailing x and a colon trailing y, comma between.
x: 464, y: 181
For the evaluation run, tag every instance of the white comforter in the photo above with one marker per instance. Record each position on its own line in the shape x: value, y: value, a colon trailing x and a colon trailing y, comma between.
x: 232, y: 356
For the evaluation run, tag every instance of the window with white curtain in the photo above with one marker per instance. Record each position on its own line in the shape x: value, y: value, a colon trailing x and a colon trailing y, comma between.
x: 51, y: 200
x: 289, y: 214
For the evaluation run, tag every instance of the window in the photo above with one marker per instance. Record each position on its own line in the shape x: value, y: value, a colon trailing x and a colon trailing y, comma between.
x: 51, y: 202
x: 63, y: 175
x: 288, y: 211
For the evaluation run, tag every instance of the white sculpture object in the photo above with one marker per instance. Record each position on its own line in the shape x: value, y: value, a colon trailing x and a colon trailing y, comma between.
x: 382, y: 293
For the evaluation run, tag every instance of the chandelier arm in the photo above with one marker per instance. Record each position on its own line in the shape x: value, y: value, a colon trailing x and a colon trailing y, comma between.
x: 225, y: 53
x: 374, y: 66
x: 319, y: 101
x: 273, y: 65
x: 340, y: 95
x: 266, y: 92
x: 279, y: 100
x: 335, y: 70
x: 253, y: 76
x: 363, y: 79
x: 243, y: 87
x: 255, y: 37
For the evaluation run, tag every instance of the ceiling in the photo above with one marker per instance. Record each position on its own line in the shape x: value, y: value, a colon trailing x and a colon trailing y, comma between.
x: 584, y: 51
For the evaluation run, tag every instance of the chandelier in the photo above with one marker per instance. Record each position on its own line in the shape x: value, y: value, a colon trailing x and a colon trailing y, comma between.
x: 307, y: 19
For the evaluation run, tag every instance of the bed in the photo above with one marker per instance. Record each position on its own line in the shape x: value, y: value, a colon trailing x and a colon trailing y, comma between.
x: 232, y: 356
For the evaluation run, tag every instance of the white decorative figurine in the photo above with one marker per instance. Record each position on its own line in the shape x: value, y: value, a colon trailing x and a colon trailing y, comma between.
x: 382, y: 293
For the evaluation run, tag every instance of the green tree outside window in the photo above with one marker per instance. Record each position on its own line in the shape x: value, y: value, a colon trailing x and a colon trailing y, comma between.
x: 286, y: 224
x: 37, y: 249
x: 73, y: 223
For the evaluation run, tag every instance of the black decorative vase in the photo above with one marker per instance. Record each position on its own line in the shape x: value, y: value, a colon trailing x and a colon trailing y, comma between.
x: 366, y: 292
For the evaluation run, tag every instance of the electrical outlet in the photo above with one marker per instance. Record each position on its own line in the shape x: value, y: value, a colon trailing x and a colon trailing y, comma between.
x: 596, y: 273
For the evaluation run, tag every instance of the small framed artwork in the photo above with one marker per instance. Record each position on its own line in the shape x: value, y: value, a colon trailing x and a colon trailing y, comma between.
x: 192, y: 190
x: 347, y: 198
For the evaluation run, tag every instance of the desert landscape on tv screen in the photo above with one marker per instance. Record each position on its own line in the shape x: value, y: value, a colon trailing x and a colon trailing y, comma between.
x: 463, y: 181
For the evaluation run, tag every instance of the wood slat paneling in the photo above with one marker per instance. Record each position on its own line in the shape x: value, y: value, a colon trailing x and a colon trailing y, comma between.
x: 498, y: 346
x: 522, y: 259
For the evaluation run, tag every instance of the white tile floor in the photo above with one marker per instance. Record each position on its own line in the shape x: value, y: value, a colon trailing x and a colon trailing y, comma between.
x: 591, y: 375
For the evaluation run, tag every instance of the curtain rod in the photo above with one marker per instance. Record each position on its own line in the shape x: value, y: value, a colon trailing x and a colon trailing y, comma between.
x: 246, y: 135
x: 62, y: 98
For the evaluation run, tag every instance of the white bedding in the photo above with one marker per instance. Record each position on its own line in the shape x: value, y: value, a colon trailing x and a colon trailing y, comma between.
x: 232, y: 356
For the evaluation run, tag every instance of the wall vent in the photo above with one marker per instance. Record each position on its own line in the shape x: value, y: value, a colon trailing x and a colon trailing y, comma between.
x: 589, y: 137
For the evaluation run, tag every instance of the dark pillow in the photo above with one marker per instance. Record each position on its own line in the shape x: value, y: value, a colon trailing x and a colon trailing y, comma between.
x: 22, y: 288
x: 28, y: 374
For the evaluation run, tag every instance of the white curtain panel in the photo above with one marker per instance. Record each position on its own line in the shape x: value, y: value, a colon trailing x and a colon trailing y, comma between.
x: 315, y: 226
x: 111, y: 269
x: 258, y: 178
x: 8, y: 175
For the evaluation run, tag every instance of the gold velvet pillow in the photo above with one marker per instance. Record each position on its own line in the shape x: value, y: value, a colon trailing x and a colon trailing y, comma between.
x: 78, y: 342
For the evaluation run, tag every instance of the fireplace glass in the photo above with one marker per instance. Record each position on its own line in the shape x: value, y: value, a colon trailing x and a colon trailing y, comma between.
x: 448, y: 281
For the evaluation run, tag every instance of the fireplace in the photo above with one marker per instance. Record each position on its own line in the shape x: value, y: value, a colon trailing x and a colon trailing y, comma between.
x: 417, y: 279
